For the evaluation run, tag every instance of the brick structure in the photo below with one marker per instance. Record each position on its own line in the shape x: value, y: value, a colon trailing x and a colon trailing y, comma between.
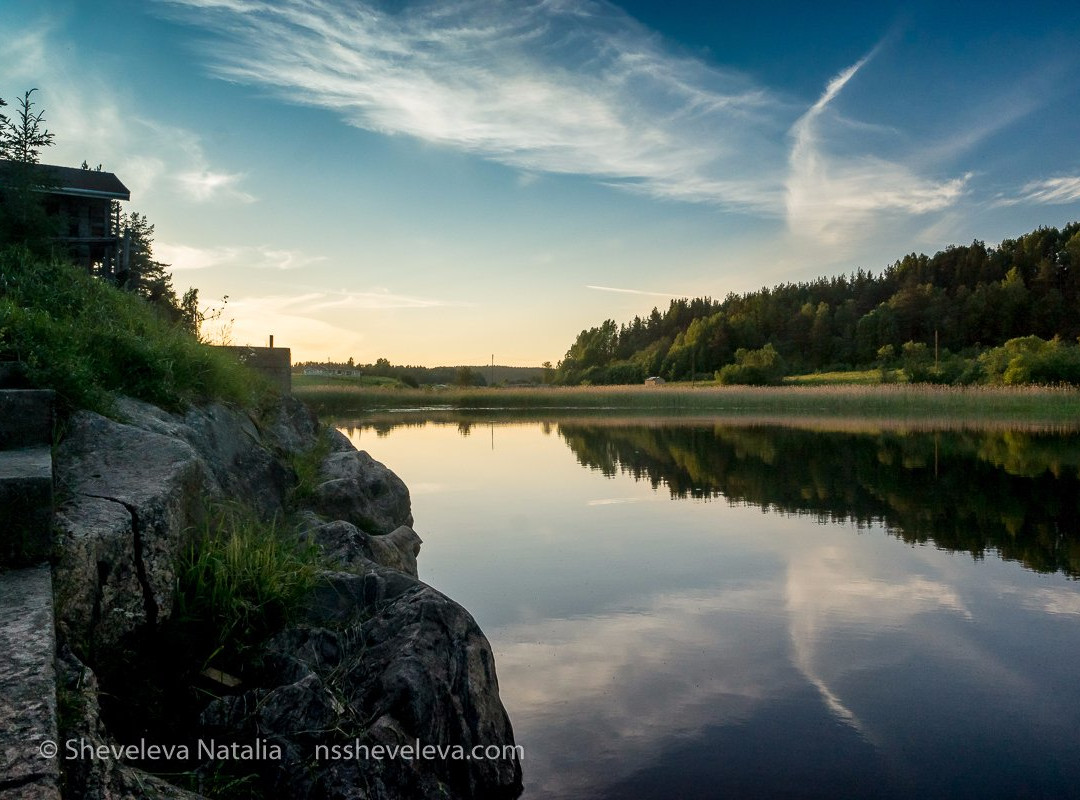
x: 273, y: 362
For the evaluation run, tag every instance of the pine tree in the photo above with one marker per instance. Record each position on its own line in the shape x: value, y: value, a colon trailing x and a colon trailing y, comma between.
x: 23, y: 138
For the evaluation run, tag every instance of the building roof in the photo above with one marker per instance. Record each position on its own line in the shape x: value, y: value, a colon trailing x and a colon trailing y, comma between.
x: 75, y: 181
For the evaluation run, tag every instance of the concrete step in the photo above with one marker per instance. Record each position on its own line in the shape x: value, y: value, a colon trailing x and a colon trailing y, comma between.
x: 26, y: 418
x: 27, y: 685
x: 26, y: 506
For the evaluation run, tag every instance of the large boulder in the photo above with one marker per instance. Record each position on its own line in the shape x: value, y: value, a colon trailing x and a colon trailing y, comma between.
x: 358, y: 489
x: 344, y: 544
x: 129, y: 496
x: 231, y: 445
x: 132, y: 490
x: 290, y: 426
x: 382, y: 659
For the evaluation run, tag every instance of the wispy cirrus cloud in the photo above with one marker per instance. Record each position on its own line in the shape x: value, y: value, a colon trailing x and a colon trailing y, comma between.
x: 312, y: 321
x: 635, y: 291
x: 545, y: 87
x: 566, y: 88
x: 1051, y: 191
x: 379, y: 299
x: 828, y: 196
x: 203, y: 185
x: 182, y: 257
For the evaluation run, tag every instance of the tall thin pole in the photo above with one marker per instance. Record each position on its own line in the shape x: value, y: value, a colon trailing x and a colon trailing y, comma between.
x: 492, y: 369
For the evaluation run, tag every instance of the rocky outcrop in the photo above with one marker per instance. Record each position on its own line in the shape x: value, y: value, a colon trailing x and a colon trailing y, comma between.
x: 378, y: 655
x: 342, y: 543
x: 358, y: 489
x: 382, y: 660
x: 131, y: 493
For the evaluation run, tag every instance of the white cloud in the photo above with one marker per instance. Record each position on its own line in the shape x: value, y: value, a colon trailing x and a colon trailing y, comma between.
x: 635, y: 291
x: 95, y: 122
x: 571, y: 88
x: 203, y: 185
x: 574, y: 88
x: 379, y: 300
x: 306, y: 320
x: 1052, y: 191
x: 181, y: 257
x: 829, y: 197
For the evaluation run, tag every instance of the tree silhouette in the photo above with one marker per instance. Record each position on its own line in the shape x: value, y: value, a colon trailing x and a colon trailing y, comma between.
x: 22, y: 138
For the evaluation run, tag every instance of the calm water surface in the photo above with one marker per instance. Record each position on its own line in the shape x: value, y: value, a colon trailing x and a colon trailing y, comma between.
x: 702, y: 609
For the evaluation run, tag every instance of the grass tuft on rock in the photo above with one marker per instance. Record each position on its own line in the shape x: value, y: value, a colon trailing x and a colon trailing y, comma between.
x: 243, y: 578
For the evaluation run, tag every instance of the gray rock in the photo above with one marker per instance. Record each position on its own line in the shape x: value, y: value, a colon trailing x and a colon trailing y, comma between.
x: 130, y: 497
x: 339, y: 442
x: 132, y: 491
x: 382, y: 660
x: 357, y: 488
x: 344, y: 544
x: 27, y: 686
x: 244, y: 466
x: 291, y: 426
x: 229, y: 443
x: 379, y: 658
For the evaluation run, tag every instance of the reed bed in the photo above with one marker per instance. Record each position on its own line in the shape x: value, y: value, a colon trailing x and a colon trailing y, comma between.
x: 897, y: 401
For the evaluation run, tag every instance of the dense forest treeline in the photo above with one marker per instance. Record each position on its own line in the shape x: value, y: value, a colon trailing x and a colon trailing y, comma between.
x: 415, y: 376
x: 961, y: 301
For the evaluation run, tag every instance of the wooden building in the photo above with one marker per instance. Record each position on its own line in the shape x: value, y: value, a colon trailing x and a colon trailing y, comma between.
x: 81, y: 203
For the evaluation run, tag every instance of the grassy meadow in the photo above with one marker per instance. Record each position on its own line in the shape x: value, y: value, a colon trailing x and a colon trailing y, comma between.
x: 1052, y: 405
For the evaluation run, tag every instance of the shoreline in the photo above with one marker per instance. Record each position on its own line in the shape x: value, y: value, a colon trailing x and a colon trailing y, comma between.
x: 1028, y: 404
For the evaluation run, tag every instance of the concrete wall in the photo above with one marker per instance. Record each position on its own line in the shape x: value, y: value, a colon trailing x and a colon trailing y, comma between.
x: 273, y: 362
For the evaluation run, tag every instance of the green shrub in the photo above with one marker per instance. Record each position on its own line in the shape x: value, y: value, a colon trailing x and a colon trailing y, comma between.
x: 90, y: 341
x: 762, y: 367
x: 1030, y: 359
x: 306, y: 464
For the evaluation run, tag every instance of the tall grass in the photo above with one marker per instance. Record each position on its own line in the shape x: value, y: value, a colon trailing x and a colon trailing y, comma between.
x: 1049, y: 404
x: 243, y: 578
x: 90, y: 341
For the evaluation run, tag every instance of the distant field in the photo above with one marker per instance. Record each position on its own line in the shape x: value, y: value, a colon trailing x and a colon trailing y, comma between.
x: 310, y: 381
x: 863, y: 377
x: 897, y: 401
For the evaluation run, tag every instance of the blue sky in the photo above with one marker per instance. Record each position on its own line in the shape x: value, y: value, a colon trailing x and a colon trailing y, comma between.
x: 439, y: 182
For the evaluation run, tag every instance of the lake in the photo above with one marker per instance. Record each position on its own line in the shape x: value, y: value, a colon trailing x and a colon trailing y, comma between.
x: 711, y: 608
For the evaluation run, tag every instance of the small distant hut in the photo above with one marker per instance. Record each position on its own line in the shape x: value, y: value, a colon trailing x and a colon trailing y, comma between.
x: 656, y: 380
x: 81, y: 203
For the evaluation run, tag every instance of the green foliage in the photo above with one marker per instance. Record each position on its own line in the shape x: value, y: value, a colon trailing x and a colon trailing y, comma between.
x: 242, y: 578
x: 968, y: 298
x: 306, y: 466
x: 89, y: 341
x: 467, y: 376
x: 863, y: 377
x: 23, y: 219
x: 22, y: 139
x: 762, y: 367
x: 1032, y: 360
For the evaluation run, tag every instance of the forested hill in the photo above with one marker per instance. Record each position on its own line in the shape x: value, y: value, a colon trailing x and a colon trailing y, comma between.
x: 973, y: 297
